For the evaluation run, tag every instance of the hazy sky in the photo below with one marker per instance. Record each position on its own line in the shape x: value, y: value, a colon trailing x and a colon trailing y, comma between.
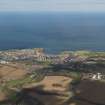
x: 52, y: 5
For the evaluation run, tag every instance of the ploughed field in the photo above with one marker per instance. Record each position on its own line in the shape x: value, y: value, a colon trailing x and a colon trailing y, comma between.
x: 52, y: 90
x: 10, y: 72
x: 89, y: 93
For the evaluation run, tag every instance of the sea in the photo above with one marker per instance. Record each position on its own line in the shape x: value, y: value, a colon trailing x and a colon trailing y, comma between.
x: 53, y: 31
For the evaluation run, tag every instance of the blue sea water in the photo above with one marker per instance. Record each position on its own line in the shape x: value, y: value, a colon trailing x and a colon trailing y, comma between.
x: 56, y: 31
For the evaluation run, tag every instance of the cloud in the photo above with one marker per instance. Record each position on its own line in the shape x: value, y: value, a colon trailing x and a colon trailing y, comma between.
x: 52, y: 5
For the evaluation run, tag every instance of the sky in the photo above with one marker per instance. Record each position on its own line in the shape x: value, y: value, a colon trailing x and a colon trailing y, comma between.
x: 52, y: 5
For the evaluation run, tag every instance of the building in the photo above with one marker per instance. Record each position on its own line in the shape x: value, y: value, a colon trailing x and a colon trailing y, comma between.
x: 93, y: 76
x: 4, y: 62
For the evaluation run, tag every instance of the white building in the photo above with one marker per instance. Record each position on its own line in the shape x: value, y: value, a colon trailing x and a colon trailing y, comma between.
x: 97, y: 76
x: 3, y: 62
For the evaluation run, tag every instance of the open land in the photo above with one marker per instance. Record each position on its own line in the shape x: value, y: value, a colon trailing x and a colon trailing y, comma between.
x: 69, y: 78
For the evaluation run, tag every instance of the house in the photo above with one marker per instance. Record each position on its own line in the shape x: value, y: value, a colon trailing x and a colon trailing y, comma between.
x: 93, y: 76
x: 97, y: 76
x: 3, y: 62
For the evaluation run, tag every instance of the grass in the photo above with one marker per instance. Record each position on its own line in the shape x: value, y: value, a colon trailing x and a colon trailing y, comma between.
x: 16, y: 83
x: 12, y: 95
x: 19, y: 82
x: 90, y: 53
x: 76, y: 77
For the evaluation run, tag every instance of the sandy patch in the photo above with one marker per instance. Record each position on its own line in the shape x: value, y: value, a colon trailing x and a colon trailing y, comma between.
x: 55, y: 83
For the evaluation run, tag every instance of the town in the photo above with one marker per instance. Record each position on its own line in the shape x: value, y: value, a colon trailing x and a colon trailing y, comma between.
x: 83, y: 61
